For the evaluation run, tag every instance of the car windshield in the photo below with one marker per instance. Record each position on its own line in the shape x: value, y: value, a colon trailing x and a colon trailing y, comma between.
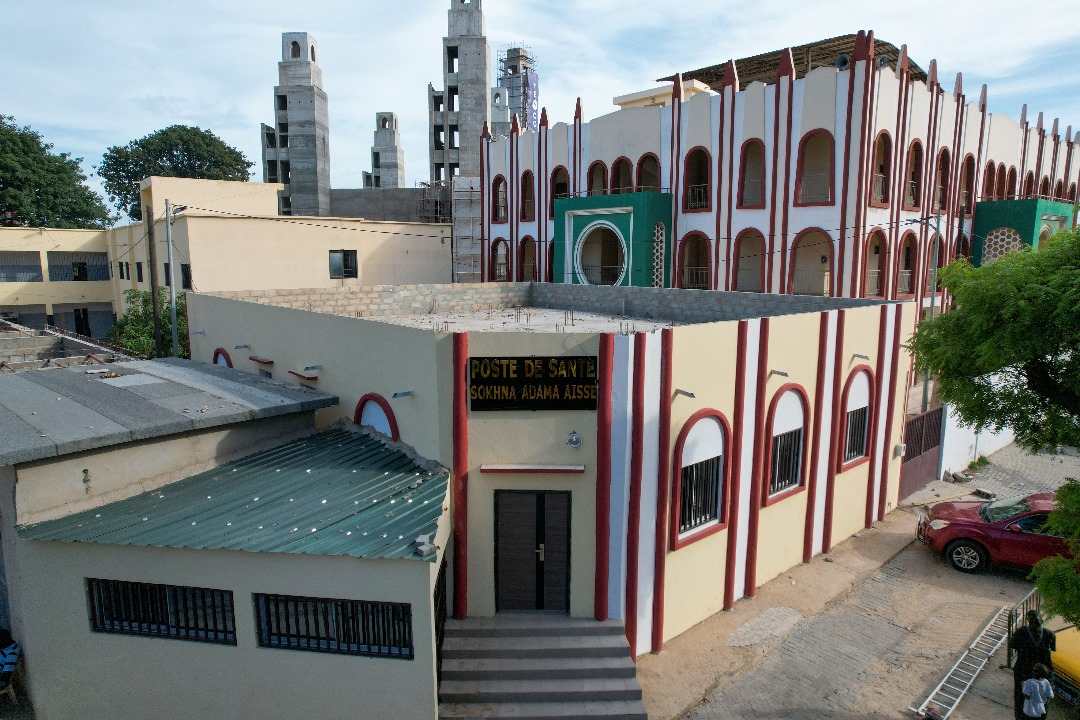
x: 999, y: 510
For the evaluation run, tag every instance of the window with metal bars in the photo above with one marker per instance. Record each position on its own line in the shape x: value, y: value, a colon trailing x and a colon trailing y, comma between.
x: 855, y: 445
x: 166, y: 611
x: 346, y: 627
x: 786, y: 461
x: 699, y: 493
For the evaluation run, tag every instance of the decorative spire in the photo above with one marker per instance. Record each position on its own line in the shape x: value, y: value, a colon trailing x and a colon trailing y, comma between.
x: 677, y: 89
x: 958, y: 88
x: 515, y: 129
x: 863, y: 46
x: 931, y: 74
x: 543, y: 117
x: 787, y: 64
x: 731, y: 76
x: 577, y: 110
x: 902, y: 65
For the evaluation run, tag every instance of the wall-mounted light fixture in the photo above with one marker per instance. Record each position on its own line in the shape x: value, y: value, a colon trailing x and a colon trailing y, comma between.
x: 401, y: 394
x: 241, y: 347
x: 312, y: 368
x: 862, y: 357
x: 781, y: 373
x: 684, y: 393
x: 573, y: 441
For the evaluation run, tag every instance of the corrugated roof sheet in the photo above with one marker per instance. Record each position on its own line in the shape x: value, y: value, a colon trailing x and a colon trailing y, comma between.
x: 338, y: 492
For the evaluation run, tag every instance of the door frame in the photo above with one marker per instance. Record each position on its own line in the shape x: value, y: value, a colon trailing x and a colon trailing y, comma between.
x: 569, y: 540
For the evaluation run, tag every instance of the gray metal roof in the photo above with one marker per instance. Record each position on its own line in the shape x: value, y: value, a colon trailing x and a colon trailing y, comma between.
x: 64, y: 410
x: 337, y: 492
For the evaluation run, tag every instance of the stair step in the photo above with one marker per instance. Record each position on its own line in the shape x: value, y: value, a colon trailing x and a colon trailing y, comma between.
x: 532, y: 626
x: 535, y: 647
x: 602, y: 710
x: 551, y: 668
x: 535, y: 691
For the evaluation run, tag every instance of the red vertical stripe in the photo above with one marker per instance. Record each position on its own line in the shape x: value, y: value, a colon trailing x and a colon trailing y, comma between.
x: 736, y: 469
x: 637, y: 450
x: 759, y: 450
x: 662, y: 485
x: 819, y: 400
x: 875, y: 408
x: 461, y: 476
x: 893, y: 390
x: 603, y: 478
x: 834, y: 440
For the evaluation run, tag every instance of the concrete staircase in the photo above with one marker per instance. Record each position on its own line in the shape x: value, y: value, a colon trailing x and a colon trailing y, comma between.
x: 538, y: 667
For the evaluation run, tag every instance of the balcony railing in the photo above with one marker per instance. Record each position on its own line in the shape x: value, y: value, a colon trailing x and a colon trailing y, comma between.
x: 749, y: 280
x: 697, y: 197
x: 815, y: 188
x: 753, y: 192
x: 695, y: 278
x: 500, y: 272
x: 880, y: 191
x: 499, y: 214
x: 811, y: 282
x: 965, y: 196
x: 528, y: 271
x: 930, y: 280
x: 620, y: 189
x: 911, y: 196
x: 602, y: 274
x: 873, y: 283
x: 527, y: 210
x: 939, y: 198
x: 903, y: 283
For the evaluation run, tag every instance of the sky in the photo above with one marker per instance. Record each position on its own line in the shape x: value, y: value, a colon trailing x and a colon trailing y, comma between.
x: 90, y: 75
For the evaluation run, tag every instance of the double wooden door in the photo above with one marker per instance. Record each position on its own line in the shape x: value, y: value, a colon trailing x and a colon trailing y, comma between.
x: 532, y: 551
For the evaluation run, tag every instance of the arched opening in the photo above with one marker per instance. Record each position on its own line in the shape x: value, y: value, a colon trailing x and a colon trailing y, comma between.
x: 499, y: 258
x: 696, y: 195
x: 528, y: 197
x: 750, y: 262
x: 1059, y: 189
x: 550, y: 262
x: 601, y: 257
x: 622, y: 176
x: 648, y: 174
x: 967, y: 185
x: 941, y: 192
x: 598, y: 179
x: 811, y: 264
x: 1011, y: 191
x: 752, y: 175
x: 876, y: 251
x: 498, y: 199
x: 560, y: 187
x: 1029, y: 184
x: 527, y: 260
x: 1044, y: 187
x: 857, y: 418
x: 879, y: 189
x: 934, y: 272
x: 221, y: 357
x: 385, y: 123
x: 814, y: 176
x: 699, y: 496
x: 694, y: 263
x: 374, y: 411
x: 908, y: 261
x: 1072, y: 193
x: 786, y: 456
x: 988, y: 181
x: 913, y: 176
x: 965, y: 247
x: 1001, y: 183
x: 294, y: 49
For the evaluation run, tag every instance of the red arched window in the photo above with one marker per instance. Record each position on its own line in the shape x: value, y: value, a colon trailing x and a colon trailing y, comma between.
x: 941, y: 191
x: 221, y: 357
x: 499, y: 259
x: 967, y: 185
x: 648, y: 173
x: 696, y: 181
x: 1011, y: 192
x: 988, y: 181
x: 913, y: 177
x: 700, y: 474
x: 622, y: 176
x: 597, y: 178
x: 527, y: 260
x: 857, y: 423
x: 498, y: 200
x: 1029, y: 184
x: 560, y: 187
x: 752, y: 175
x: 1001, y: 183
x: 879, y: 182
x: 814, y: 172
x: 785, y: 459
x: 694, y: 266
x: 373, y: 410
x: 528, y: 197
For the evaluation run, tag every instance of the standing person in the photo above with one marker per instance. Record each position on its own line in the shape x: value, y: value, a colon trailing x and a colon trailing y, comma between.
x: 1037, y: 691
x: 1033, y: 644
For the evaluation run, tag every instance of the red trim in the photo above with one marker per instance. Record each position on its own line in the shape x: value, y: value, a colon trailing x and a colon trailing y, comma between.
x: 221, y: 352
x: 750, y: 582
x: 766, y: 475
x: 888, y: 168
x: 1001, y: 187
x: 841, y: 464
x: 787, y: 68
x: 908, y: 236
x: 727, y: 128
x: 743, y: 153
x: 908, y: 174
x: 533, y: 469
x: 830, y: 487
x: 612, y: 174
x: 799, y: 169
x: 494, y: 256
x: 893, y: 390
x: 641, y: 161
x: 260, y: 360
x: 603, y: 478
x: 495, y: 200
x: 846, y: 170
x: 662, y: 482
x: 732, y: 511
x: 967, y: 182
x: 819, y: 401
x: 531, y: 186
x: 883, y: 261
x: 637, y: 450
x: 676, y: 541
x: 680, y: 259
x: 708, y: 182
x: 738, y: 258
x: 1011, y: 188
x: 790, y: 279
x: 521, y: 260
x: 387, y: 411
x: 302, y: 376
x: 485, y: 224
x: 588, y: 178
x: 461, y: 476
x: 551, y: 187
x: 874, y: 430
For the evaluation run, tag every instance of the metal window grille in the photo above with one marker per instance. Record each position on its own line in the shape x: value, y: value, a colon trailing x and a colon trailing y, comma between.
x: 855, y: 447
x: 697, y: 197
x: 345, y: 627
x: 699, y: 496
x: 185, y: 276
x: 20, y: 266
x: 78, y: 266
x: 786, y: 461
x: 166, y: 611
x: 342, y: 264
x: 659, y: 252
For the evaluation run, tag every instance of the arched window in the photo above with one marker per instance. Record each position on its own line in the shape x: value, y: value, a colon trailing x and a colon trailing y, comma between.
x: 560, y: 187
x: 1059, y: 189
x: 814, y: 174
x: 967, y: 185
x: 1072, y: 193
x: 1011, y: 192
x: 499, y: 259
x: 879, y: 190
x: 786, y: 456
x: 597, y: 178
x: 694, y: 262
x: 622, y: 176
x: 648, y: 174
x: 527, y: 260
x: 913, y: 176
x: 750, y: 262
x: 699, y: 498
x: 988, y: 181
x: 1001, y: 183
x: 601, y: 257
x: 374, y: 411
x: 1029, y: 184
x: 908, y: 261
x: 876, y: 252
x: 935, y: 279
x: 811, y: 264
x: 528, y: 197
x: 752, y: 175
x: 696, y: 195
x: 1044, y: 187
x: 941, y: 192
x: 856, y: 428
x: 221, y: 357
x: 294, y: 49
x: 498, y: 199
x: 965, y: 247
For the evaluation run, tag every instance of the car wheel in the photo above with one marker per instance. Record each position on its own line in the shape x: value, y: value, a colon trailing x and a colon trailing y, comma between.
x: 967, y: 556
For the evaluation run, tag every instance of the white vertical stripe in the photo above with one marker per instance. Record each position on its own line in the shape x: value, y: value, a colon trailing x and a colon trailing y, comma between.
x: 749, y: 429
x: 621, y: 397
x: 665, y: 146
x: 650, y: 466
x: 583, y: 169
x: 880, y: 410
x: 824, y: 442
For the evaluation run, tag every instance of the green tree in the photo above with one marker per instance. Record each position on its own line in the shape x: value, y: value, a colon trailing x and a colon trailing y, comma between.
x: 135, y: 328
x: 1008, y: 354
x: 175, y: 151
x: 1058, y: 578
x: 39, y: 188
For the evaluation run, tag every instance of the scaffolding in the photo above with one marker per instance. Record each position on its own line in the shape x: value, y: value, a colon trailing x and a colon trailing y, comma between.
x: 517, y: 73
x: 468, y: 245
x: 435, y: 203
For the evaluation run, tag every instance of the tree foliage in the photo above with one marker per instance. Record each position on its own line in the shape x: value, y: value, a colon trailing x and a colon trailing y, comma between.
x: 1058, y: 578
x: 1008, y: 354
x: 175, y: 151
x: 40, y: 188
x: 135, y: 328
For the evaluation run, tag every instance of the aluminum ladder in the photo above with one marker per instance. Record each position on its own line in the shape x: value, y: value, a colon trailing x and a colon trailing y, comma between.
x: 951, y: 690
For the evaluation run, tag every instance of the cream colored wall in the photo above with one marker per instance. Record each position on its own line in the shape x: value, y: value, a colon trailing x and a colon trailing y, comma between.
x: 629, y: 133
x: 819, y: 102
x: 918, y: 112
x: 704, y: 359
x: 43, y: 240
x: 886, y: 91
x: 753, y: 107
x: 892, y: 493
x: 245, y: 198
x: 54, y: 487
x: 697, y: 118
x: 1003, y: 146
x: 74, y: 672
x: 357, y: 357
x: 559, y: 148
x: 531, y: 437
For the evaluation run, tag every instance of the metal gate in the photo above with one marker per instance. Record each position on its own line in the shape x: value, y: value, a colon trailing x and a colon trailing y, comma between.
x: 922, y: 457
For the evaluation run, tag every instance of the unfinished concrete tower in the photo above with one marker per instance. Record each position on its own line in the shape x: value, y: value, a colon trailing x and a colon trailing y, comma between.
x: 517, y: 91
x: 296, y: 148
x: 457, y: 113
x: 387, y: 155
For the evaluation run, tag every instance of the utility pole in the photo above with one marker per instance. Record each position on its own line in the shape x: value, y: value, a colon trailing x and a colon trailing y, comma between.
x: 933, y: 298
x: 172, y: 279
x: 151, y: 250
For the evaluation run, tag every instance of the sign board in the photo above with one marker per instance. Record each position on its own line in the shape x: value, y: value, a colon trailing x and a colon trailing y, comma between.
x: 566, y: 382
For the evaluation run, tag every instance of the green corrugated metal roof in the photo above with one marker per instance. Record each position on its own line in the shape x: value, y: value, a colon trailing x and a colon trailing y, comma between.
x: 338, y: 492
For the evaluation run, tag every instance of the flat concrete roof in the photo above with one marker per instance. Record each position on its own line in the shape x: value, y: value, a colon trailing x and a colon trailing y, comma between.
x: 49, y: 413
x: 524, y: 319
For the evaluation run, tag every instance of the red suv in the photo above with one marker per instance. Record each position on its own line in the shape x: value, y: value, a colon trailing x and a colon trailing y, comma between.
x: 975, y: 533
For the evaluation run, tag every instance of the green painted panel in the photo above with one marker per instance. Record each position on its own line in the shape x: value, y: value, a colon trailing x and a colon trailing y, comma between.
x: 1027, y: 216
